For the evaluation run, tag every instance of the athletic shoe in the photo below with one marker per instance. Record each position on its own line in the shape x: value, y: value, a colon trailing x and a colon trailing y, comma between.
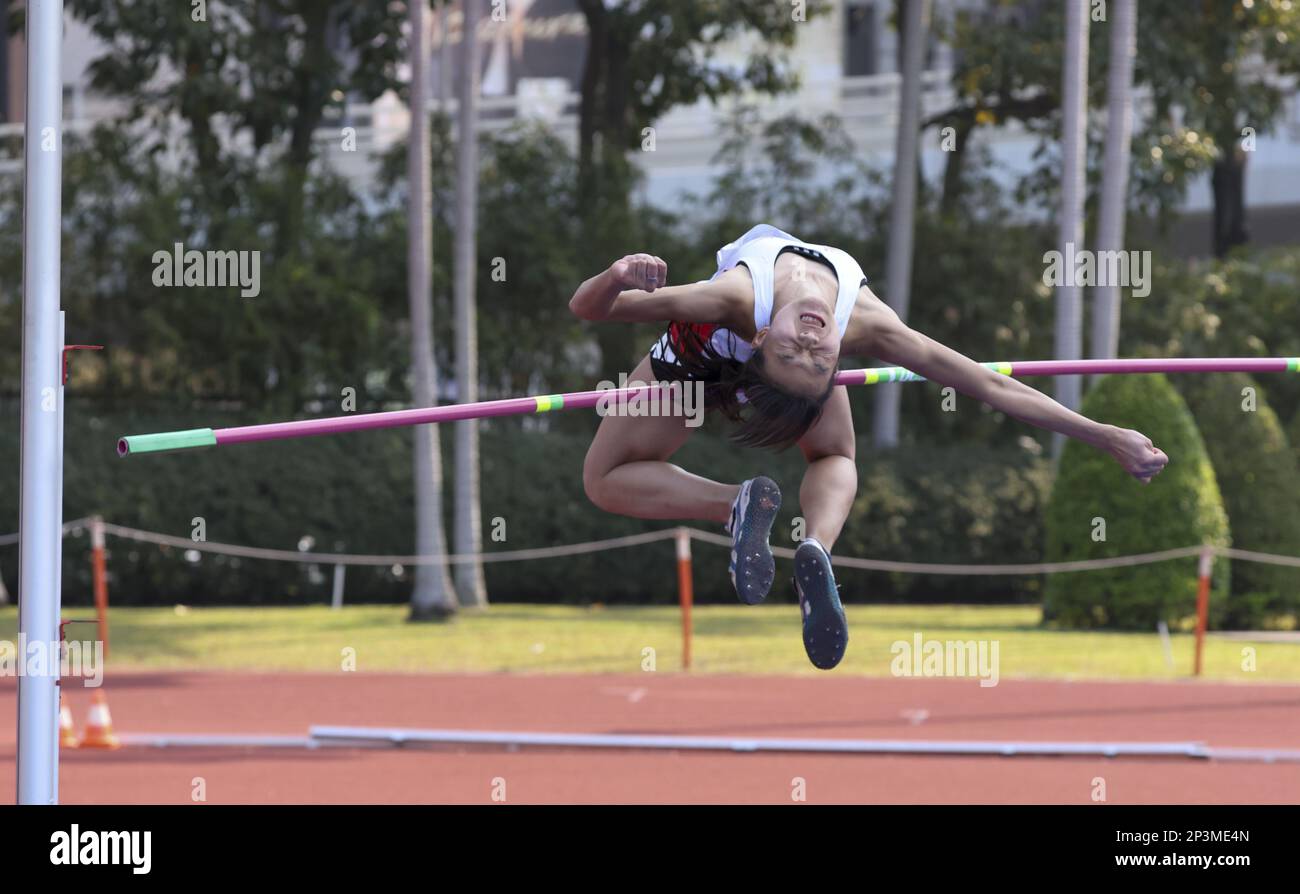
x: 825, y: 629
x: 752, y: 515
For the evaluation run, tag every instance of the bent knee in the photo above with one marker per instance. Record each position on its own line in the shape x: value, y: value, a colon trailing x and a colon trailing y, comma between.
x: 595, y: 484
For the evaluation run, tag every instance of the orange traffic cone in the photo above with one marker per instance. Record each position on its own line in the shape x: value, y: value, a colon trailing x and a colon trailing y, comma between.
x: 67, y: 729
x: 99, y: 725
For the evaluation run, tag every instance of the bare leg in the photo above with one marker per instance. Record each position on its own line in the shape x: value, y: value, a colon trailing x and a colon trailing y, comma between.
x: 627, y: 472
x: 826, y: 495
x: 830, y: 483
x: 650, y: 489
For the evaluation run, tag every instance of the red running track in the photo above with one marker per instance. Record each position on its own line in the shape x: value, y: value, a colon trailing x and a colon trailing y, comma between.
x: 827, y: 706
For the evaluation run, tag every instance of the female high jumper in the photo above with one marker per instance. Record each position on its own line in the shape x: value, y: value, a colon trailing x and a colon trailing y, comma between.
x: 763, y: 337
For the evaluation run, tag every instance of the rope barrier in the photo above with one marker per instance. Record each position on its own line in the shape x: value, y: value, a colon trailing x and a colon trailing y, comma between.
x: 592, y: 546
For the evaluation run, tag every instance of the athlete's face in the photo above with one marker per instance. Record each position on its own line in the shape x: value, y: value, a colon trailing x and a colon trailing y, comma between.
x: 801, y: 346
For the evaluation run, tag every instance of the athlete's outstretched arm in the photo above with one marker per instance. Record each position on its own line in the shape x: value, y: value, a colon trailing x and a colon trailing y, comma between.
x: 634, y: 290
x: 894, y: 342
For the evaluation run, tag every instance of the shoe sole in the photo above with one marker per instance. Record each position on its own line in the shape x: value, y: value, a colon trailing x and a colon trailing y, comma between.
x: 825, y: 629
x: 752, y: 566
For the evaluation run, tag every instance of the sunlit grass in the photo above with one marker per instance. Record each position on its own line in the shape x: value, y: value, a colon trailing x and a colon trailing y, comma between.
x: 568, y: 639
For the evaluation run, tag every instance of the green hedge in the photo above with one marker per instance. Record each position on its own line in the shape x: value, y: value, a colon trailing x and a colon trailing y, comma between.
x: 932, y: 504
x: 949, y: 505
x: 347, y: 494
x: 1293, y: 435
x: 352, y: 494
x: 1258, y: 476
x: 1180, y: 507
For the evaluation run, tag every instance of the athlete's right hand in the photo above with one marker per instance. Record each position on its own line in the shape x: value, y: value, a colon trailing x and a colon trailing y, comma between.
x: 640, y: 271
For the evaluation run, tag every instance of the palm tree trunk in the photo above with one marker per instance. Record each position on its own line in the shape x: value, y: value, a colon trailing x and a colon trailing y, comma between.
x: 1228, y: 182
x: 902, y: 215
x: 444, y: 57
x: 1074, y: 137
x: 433, y: 597
x: 470, y: 586
x: 1114, y: 178
x: 955, y: 165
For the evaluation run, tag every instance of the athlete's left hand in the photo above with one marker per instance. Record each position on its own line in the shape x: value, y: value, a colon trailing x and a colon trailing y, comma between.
x: 1135, y: 452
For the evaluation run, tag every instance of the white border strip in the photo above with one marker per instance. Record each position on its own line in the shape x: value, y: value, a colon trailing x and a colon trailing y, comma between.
x: 215, y: 740
x: 390, y: 737
x: 400, y: 736
x: 1256, y: 755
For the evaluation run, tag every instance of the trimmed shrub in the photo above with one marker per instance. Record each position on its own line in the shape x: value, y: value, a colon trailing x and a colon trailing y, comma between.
x: 959, y: 504
x: 1260, y: 482
x: 353, y: 494
x: 1293, y: 435
x: 333, y: 494
x: 1180, y: 507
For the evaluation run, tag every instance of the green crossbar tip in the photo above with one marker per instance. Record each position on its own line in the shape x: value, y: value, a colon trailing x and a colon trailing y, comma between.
x: 167, y: 440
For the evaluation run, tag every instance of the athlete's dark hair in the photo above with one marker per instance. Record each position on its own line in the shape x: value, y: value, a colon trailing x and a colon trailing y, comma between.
x: 769, y: 416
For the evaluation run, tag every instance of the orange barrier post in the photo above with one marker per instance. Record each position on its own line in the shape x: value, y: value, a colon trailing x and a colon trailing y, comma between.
x: 67, y: 729
x: 1204, y: 571
x: 685, y: 592
x: 99, y: 725
x: 99, y: 578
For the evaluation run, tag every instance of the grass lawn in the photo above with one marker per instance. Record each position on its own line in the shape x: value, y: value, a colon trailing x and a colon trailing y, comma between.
x: 563, y: 639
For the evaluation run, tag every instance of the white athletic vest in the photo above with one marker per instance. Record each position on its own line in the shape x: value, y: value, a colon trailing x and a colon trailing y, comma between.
x: 758, y: 250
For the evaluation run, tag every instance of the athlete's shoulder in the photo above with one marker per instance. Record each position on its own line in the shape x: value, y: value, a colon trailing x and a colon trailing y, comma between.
x: 870, y: 319
x: 736, y: 280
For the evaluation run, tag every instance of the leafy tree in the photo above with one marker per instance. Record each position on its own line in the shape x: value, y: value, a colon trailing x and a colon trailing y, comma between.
x: 1210, y: 70
x: 974, y: 278
x: 1241, y: 306
x: 644, y: 58
x: 1260, y: 481
x: 266, y: 74
x: 530, y: 261
x: 1007, y: 68
x: 184, y: 346
x: 1213, y: 66
x: 802, y: 173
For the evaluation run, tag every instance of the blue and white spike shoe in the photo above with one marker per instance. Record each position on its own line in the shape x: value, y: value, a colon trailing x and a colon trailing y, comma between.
x: 752, y: 515
x: 825, y: 629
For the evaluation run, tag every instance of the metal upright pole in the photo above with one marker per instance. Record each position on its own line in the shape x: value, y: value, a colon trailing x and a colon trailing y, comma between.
x: 56, y: 606
x: 41, y: 541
